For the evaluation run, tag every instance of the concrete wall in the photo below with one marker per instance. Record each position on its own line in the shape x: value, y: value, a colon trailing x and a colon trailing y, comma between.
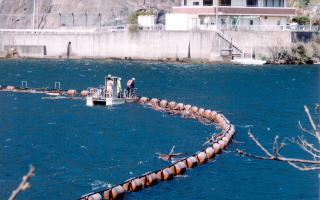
x: 204, y: 45
x: 140, y: 45
x: 260, y: 42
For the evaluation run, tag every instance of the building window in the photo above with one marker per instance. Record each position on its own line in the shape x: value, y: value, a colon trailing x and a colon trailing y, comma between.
x: 185, y: 2
x: 252, y: 3
x: 251, y: 22
x: 196, y: 3
x: 225, y: 2
x: 274, y: 3
x: 207, y: 2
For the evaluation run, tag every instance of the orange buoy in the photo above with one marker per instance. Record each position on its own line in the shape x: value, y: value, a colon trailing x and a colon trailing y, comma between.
x: 10, y: 87
x: 180, y: 168
x: 213, y: 115
x: 202, y: 157
x: 96, y: 196
x: 207, y: 114
x: 117, y: 192
x: 191, y: 162
x: 107, y: 194
x: 143, y: 100
x: 229, y: 135
x: 194, y: 109
x: 200, y: 111
x: 224, y: 125
x: 135, y: 185
x: 84, y: 93
x: 172, y: 104
x: 210, y: 152
x: 218, y: 119
x: 163, y: 103
x: 167, y: 174
x: 232, y: 130
x: 159, y: 175
x: 126, y: 186
x: 71, y: 92
x: 154, y: 101
x: 226, y: 139
x: 143, y: 180
x: 151, y: 179
x: 180, y: 106
x: 173, y: 170
x: 187, y: 107
x: 222, y: 143
x: 216, y: 147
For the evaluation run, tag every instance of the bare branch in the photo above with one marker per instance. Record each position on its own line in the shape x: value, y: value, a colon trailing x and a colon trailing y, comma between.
x: 259, y: 145
x: 301, y: 141
x: 314, y: 127
x: 316, y: 112
x: 305, y: 130
x: 304, y: 168
x: 24, y: 183
x: 253, y: 156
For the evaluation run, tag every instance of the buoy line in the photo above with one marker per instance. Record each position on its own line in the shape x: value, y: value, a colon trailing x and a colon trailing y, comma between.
x: 168, y: 173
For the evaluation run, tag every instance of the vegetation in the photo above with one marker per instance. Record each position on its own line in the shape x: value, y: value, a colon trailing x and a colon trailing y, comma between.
x: 300, y: 53
x: 143, y: 12
x: 304, y: 3
x: 302, y: 20
x: 133, y: 17
x: 133, y: 28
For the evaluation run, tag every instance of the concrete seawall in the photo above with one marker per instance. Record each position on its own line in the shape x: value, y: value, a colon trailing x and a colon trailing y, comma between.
x: 153, y: 45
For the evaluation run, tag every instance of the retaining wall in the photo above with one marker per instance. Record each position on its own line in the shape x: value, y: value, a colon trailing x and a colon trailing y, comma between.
x: 153, y: 45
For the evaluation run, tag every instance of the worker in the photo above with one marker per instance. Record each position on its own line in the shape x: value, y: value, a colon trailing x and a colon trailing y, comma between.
x: 130, y: 86
x: 109, y: 86
x: 119, y: 87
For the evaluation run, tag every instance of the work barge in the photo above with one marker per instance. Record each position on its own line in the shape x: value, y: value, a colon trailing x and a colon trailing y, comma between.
x: 216, y: 144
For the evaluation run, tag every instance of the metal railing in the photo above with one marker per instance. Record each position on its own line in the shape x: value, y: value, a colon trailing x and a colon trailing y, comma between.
x: 270, y: 28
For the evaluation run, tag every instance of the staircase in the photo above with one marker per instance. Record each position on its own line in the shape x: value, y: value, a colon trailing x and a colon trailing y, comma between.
x: 234, y: 49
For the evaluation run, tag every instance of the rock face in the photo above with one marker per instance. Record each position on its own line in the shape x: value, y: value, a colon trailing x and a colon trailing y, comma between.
x: 74, y: 13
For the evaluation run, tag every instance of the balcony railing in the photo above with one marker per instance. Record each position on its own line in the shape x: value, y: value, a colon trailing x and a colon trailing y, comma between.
x: 226, y: 27
x: 234, y: 10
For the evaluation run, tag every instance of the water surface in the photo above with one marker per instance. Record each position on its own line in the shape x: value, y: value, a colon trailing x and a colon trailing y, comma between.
x: 78, y: 149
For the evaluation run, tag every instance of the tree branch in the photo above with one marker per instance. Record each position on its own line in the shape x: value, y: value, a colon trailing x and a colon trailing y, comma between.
x: 24, y: 183
x: 259, y: 145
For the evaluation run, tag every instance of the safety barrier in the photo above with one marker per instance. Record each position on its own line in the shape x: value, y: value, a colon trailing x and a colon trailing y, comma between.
x: 220, y: 142
x: 70, y: 92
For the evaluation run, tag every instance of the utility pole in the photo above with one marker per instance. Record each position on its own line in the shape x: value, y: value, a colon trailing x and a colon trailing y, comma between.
x: 217, y: 15
x: 34, y: 13
x: 86, y: 18
x: 72, y: 19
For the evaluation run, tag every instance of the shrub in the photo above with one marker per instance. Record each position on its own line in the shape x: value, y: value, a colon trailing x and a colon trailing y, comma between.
x: 133, y: 28
x: 302, y: 20
x: 133, y: 18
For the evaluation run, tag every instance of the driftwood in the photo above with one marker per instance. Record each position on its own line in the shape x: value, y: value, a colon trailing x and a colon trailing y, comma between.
x: 301, y: 141
x: 170, y: 156
x: 24, y: 183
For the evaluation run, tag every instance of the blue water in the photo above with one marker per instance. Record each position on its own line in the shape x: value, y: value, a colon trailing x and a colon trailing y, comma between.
x: 78, y: 149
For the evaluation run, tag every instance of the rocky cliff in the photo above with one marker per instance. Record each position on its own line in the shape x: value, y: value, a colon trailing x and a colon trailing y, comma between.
x: 75, y: 13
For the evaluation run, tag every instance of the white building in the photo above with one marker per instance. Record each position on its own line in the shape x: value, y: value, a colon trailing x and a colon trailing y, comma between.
x: 230, y: 15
